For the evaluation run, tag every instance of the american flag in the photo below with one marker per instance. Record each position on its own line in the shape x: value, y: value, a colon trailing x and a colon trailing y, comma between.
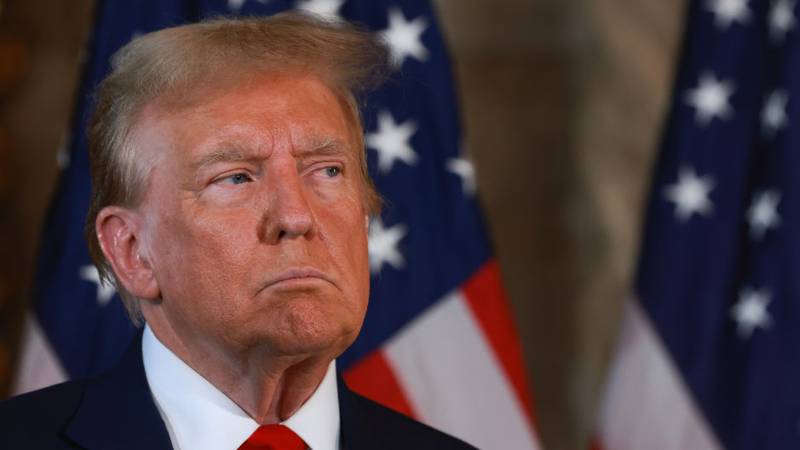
x: 709, y: 355
x: 438, y: 343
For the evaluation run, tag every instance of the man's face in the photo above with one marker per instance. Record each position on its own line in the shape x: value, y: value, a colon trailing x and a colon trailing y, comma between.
x: 254, y: 219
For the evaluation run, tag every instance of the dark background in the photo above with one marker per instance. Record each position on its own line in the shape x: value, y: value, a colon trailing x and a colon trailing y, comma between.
x: 562, y: 102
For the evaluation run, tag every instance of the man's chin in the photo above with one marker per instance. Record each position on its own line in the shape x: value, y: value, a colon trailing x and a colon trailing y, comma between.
x: 304, y: 331
x: 308, y: 344
x: 304, y: 322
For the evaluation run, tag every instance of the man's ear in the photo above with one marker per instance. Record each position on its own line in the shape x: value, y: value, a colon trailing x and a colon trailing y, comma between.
x: 119, y: 232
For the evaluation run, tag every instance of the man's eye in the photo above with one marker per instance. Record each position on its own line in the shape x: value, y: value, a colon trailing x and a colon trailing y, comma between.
x: 332, y: 171
x: 239, y: 178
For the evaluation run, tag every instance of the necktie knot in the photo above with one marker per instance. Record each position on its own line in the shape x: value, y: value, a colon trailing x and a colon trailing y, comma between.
x: 273, y: 437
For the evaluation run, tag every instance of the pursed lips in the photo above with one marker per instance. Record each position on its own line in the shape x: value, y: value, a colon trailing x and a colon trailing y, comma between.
x: 298, y: 274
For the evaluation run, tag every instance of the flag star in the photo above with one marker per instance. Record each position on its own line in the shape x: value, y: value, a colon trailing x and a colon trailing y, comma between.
x: 781, y: 19
x: 728, y: 11
x: 235, y: 5
x: 750, y: 312
x: 383, y: 246
x: 464, y: 169
x: 391, y: 141
x: 104, y: 291
x: 325, y: 8
x: 710, y: 99
x: 62, y: 154
x: 405, y: 38
x: 690, y: 194
x: 763, y: 212
x: 773, y: 115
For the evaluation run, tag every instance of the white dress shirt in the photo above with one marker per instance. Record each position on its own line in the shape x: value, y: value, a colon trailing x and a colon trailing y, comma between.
x: 199, y: 416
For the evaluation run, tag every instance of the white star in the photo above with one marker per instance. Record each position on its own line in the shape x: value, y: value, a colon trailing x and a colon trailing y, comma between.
x: 325, y: 8
x: 690, y: 194
x: 383, y: 246
x: 710, y: 99
x: 405, y: 38
x: 763, y: 212
x: 464, y: 169
x: 750, y: 312
x: 104, y: 291
x: 62, y: 154
x: 781, y: 19
x: 773, y: 115
x: 728, y: 11
x: 391, y: 141
x: 235, y: 5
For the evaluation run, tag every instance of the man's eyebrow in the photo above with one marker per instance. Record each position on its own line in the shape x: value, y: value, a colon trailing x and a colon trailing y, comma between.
x: 324, y: 146
x: 224, y: 154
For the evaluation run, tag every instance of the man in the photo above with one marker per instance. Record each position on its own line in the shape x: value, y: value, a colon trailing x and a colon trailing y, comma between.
x: 230, y: 210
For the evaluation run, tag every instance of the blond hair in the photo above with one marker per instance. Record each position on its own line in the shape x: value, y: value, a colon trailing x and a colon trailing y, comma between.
x: 176, y: 66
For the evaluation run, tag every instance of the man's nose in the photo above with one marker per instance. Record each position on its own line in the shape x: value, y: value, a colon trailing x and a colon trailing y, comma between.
x: 287, y: 213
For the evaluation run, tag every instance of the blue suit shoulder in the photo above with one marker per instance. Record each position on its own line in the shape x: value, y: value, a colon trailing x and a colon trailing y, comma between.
x: 367, y: 424
x: 113, y: 410
x: 39, y: 419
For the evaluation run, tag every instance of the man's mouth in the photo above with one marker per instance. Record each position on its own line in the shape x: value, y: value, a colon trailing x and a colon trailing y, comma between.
x: 297, y: 275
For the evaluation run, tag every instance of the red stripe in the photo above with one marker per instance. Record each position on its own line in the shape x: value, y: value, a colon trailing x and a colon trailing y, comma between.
x: 487, y: 300
x: 373, y: 378
x: 594, y: 444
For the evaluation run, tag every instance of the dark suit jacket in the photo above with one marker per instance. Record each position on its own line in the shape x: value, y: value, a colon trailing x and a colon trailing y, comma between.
x: 117, y: 411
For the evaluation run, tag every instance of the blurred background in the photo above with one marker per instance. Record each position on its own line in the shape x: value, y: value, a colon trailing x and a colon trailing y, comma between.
x: 562, y: 103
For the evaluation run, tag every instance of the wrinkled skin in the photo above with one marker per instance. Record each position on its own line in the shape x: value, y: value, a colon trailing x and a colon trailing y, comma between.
x: 249, y: 248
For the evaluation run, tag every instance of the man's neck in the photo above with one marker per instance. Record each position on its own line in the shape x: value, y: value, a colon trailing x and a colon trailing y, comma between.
x: 268, y: 387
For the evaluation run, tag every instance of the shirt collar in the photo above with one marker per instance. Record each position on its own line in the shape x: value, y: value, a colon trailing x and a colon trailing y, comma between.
x: 199, y: 416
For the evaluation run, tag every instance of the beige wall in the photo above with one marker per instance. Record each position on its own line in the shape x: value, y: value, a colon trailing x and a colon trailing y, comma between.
x: 33, y: 116
x: 561, y: 101
x: 626, y: 62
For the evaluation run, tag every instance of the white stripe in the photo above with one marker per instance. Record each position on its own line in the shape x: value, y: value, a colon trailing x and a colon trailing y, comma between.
x: 647, y: 405
x: 38, y: 366
x: 453, y: 379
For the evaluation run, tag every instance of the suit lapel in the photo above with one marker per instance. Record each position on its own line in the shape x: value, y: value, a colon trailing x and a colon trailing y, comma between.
x: 117, y: 410
x: 357, y: 432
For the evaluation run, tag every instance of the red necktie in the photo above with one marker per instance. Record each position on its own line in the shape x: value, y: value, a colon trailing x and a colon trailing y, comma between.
x: 273, y: 437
